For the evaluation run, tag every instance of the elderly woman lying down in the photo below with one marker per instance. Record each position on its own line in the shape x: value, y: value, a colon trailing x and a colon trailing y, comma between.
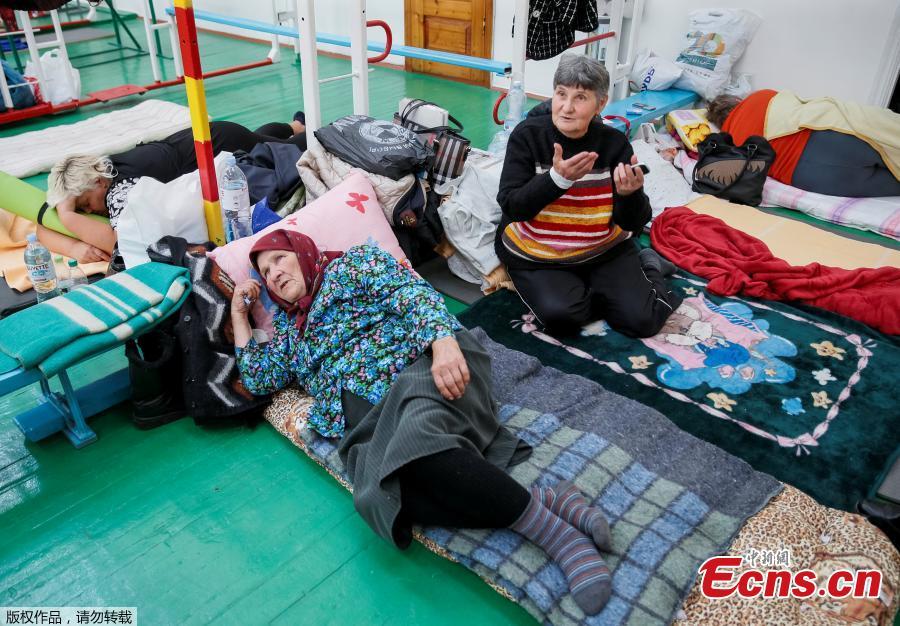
x: 89, y: 183
x: 409, y: 392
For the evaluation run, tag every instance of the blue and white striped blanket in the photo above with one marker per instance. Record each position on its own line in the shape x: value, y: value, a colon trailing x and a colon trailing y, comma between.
x: 67, y: 329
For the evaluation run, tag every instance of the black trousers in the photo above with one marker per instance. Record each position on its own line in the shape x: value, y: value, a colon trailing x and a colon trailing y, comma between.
x: 459, y: 489
x: 634, y: 301
x: 837, y: 164
x: 175, y: 155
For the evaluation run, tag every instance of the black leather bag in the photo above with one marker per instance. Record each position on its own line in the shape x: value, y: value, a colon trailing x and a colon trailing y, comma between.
x: 733, y: 173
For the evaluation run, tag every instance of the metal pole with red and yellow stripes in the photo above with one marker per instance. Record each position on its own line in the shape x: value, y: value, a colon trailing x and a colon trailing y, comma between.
x: 193, y: 84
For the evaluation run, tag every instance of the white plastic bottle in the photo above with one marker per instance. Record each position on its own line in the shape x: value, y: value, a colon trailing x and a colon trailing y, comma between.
x: 235, y: 197
x: 76, y: 277
x: 41, y: 270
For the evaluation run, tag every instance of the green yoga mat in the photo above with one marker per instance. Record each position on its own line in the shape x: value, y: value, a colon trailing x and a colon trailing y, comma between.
x: 17, y: 196
x: 802, y: 394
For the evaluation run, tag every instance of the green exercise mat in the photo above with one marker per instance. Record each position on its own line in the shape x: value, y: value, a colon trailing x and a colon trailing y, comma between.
x: 17, y: 196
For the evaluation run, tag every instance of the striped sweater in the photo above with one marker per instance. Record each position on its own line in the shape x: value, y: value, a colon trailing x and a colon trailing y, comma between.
x: 543, y: 223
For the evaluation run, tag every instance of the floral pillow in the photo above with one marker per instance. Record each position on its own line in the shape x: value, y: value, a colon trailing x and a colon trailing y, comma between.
x: 346, y: 216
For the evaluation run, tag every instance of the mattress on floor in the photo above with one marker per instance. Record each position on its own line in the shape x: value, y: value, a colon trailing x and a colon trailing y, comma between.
x: 796, y: 242
x: 792, y: 524
x: 108, y: 133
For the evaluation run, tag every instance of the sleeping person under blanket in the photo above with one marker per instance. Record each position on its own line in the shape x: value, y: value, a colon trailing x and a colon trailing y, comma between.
x: 87, y: 183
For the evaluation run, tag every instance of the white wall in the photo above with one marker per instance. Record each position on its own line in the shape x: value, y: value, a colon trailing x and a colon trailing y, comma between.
x: 812, y: 47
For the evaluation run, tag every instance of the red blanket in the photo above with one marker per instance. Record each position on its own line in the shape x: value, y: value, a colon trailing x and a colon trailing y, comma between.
x: 734, y: 262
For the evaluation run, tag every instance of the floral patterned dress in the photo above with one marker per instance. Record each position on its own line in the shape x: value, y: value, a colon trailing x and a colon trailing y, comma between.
x: 371, y: 318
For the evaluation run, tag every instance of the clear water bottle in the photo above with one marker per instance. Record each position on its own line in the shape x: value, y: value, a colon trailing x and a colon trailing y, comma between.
x: 515, y: 103
x: 76, y: 277
x: 515, y: 113
x: 235, y: 196
x: 41, y: 269
x: 62, y: 271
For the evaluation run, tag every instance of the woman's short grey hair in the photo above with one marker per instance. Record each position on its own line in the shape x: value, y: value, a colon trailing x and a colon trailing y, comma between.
x: 577, y: 70
x: 76, y: 174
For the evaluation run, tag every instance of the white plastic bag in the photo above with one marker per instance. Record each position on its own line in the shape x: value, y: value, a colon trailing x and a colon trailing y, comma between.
x: 154, y: 210
x: 716, y: 40
x: 61, y: 83
x: 652, y: 73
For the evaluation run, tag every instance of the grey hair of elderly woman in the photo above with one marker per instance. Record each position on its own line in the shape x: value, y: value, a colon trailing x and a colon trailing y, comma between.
x: 577, y: 70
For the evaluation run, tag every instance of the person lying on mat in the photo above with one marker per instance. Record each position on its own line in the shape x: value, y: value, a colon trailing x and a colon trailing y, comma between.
x: 408, y: 390
x: 571, y: 203
x: 86, y: 183
x: 821, y: 145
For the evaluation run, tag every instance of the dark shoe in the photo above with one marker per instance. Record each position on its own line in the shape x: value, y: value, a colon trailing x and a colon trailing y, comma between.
x: 651, y: 259
x: 884, y: 515
x: 154, y: 368
x: 300, y: 116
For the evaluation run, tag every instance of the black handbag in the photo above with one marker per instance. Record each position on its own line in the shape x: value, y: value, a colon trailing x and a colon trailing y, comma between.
x: 733, y: 173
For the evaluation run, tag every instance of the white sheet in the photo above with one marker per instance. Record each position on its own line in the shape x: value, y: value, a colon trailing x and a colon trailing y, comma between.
x: 108, y: 133
x: 664, y: 185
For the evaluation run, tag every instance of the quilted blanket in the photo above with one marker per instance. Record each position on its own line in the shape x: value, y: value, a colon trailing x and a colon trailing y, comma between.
x: 108, y: 133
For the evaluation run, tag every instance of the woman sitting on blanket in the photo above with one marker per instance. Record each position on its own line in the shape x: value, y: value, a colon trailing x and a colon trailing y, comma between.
x: 408, y: 391
x: 86, y: 183
x: 571, y: 204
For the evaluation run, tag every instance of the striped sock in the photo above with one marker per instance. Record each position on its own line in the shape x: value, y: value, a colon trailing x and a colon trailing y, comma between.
x: 566, y: 501
x: 588, y: 575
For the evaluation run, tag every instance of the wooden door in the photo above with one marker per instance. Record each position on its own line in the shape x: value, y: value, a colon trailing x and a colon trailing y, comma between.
x: 460, y: 26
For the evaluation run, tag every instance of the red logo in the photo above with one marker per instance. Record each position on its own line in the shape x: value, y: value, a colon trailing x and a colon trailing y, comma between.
x: 356, y: 201
x: 721, y: 580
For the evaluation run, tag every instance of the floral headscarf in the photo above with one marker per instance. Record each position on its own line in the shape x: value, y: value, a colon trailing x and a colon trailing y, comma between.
x: 312, y: 263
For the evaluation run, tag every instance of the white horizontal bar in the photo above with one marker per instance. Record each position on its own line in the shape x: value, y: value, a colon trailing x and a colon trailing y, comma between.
x: 334, y: 78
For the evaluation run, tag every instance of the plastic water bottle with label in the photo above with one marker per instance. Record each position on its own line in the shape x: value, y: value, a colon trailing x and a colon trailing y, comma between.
x: 235, y: 196
x: 41, y: 270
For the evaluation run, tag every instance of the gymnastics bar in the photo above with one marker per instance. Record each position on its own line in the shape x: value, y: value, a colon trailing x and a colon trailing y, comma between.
x: 501, y: 68
x: 193, y: 85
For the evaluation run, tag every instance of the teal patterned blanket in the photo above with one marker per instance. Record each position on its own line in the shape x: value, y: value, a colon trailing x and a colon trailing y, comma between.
x: 672, y: 500
x: 64, y: 330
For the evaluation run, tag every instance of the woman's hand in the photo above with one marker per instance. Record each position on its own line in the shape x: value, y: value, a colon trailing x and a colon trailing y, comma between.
x: 248, y: 289
x: 574, y: 167
x: 449, y: 369
x: 628, y: 179
x: 86, y: 253
x: 65, y: 207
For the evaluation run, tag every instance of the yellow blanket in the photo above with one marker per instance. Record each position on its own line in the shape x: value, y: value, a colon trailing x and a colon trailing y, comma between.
x: 13, y: 230
x: 796, y: 242
x: 878, y: 127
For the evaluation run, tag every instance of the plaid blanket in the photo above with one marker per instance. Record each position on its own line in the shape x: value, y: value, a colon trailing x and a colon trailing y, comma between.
x: 61, y: 332
x: 672, y: 500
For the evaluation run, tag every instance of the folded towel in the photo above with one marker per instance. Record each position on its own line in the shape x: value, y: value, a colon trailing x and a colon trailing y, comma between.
x: 61, y: 332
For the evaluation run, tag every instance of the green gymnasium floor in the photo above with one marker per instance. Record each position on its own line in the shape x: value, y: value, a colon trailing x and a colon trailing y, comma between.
x: 230, y: 526
x: 227, y: 526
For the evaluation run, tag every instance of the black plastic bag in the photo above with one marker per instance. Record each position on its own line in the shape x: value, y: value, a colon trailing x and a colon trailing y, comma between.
x: 733, y: 173
x: 376, y: 146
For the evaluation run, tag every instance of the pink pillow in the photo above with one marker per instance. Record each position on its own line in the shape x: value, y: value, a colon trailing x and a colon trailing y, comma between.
x: 346, y: 216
